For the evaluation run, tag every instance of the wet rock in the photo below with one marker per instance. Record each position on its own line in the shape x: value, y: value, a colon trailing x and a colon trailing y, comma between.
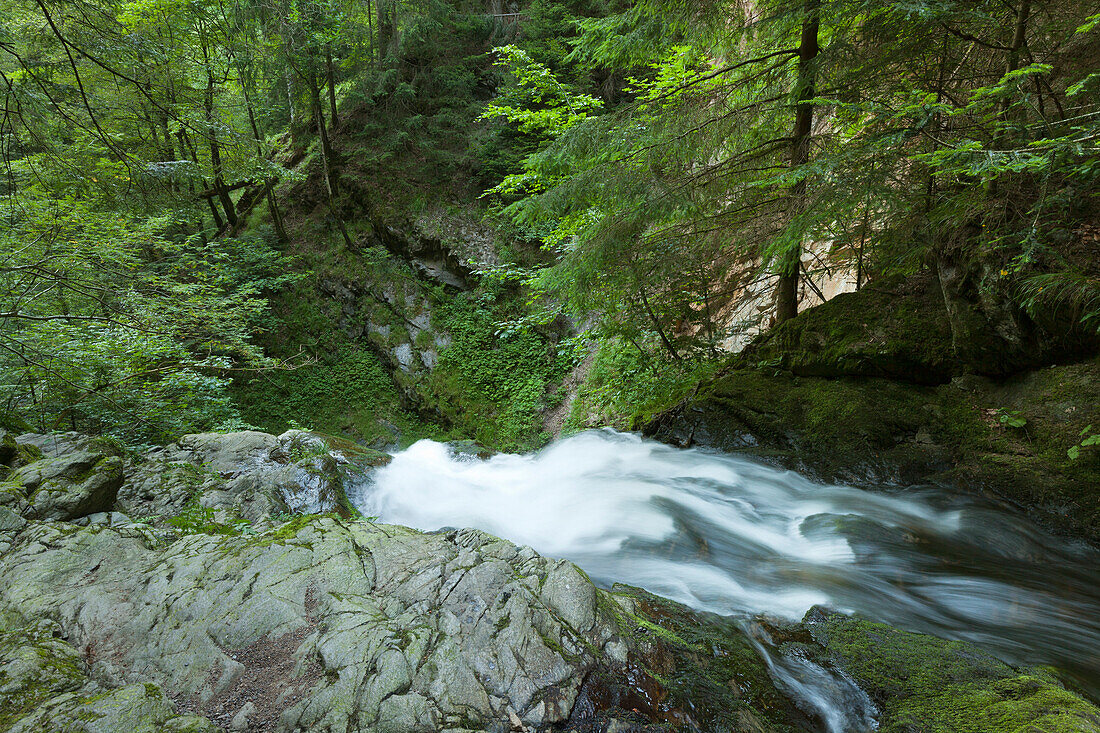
x: 571, y: 595
x: 685, y: 670
x: 324, y: 624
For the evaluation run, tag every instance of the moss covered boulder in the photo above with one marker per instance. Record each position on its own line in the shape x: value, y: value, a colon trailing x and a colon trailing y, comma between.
x: 70, y: 486
x: 1009, y: 438
x: 900, y: 332
x: 923, y: 684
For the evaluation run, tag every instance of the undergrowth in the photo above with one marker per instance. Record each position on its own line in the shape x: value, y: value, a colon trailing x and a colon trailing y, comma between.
x: 345, y: 392
x: 493, y: 385
x: 626, y: 387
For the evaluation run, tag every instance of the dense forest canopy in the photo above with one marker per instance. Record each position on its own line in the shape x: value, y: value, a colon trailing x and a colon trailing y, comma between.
x: 656, y: 164
x: 904, y: 135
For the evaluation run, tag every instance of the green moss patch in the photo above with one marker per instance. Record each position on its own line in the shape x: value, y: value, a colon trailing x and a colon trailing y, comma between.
x: 923, y: 684
x: 691, y: 669
x: 32, y: 671
x: 491, y: 384
x: 347, y: 392
x: 875, y: 332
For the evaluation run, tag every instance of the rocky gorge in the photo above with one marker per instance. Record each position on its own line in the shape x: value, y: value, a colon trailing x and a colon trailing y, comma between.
x: 226, y: 582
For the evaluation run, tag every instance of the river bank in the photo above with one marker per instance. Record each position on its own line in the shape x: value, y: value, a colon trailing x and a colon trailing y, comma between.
x: 214, y: 603
x: 867, y: 389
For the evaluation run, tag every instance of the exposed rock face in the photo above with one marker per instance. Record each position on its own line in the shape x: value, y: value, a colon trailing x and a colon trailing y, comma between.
x: 248, y: 474
x: 44, y: 686
x: 327, y: 624
x: 332, y: 627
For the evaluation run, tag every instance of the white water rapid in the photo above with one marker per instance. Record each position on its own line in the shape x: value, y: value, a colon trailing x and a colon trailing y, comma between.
x: 727, y: 534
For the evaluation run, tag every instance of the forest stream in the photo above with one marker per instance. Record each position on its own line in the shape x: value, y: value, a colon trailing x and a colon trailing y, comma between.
x: 731, y: 535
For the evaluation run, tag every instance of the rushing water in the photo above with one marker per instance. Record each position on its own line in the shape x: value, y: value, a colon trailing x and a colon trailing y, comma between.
x: 724, y: 533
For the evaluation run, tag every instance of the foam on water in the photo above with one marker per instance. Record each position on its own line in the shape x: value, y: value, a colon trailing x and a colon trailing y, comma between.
x: 724, y: 533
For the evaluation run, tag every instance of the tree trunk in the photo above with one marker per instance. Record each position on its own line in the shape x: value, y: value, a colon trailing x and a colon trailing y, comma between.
x: 385, y: 28
x: 269, y: 186
x: 370, y: 35
x: 327, y: 161
x: 216, y: 152
x: 665, y: 340
x: 330, y: 81
x: 1019, y: 40
x: 787, y: 289
x: 185, y: 148
x: 289, y: 78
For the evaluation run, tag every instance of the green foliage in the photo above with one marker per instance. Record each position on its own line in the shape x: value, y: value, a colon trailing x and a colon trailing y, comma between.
x: 626, y: 386
x: 114, y: 324
x: 195, y: 518
x: 1070, y: 290
x: 674, y: 206
x: 1088, y: 439
x: 539, y: 103
x: 1011, y: 418
x: 491, y: 383
x: 289, y: 529
x: 348, y: 391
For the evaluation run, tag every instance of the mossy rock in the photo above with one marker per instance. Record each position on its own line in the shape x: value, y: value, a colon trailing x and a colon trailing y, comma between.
x: 923, y: 684
x: 899, y: 334
x: 356, y: 454
x: 12, y: 422
x: 689, y: 671
x: 33, y: 668
x: 850, y: 429
x: 14, y: 455
x: 9, y: 449
x: 872, y: 431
